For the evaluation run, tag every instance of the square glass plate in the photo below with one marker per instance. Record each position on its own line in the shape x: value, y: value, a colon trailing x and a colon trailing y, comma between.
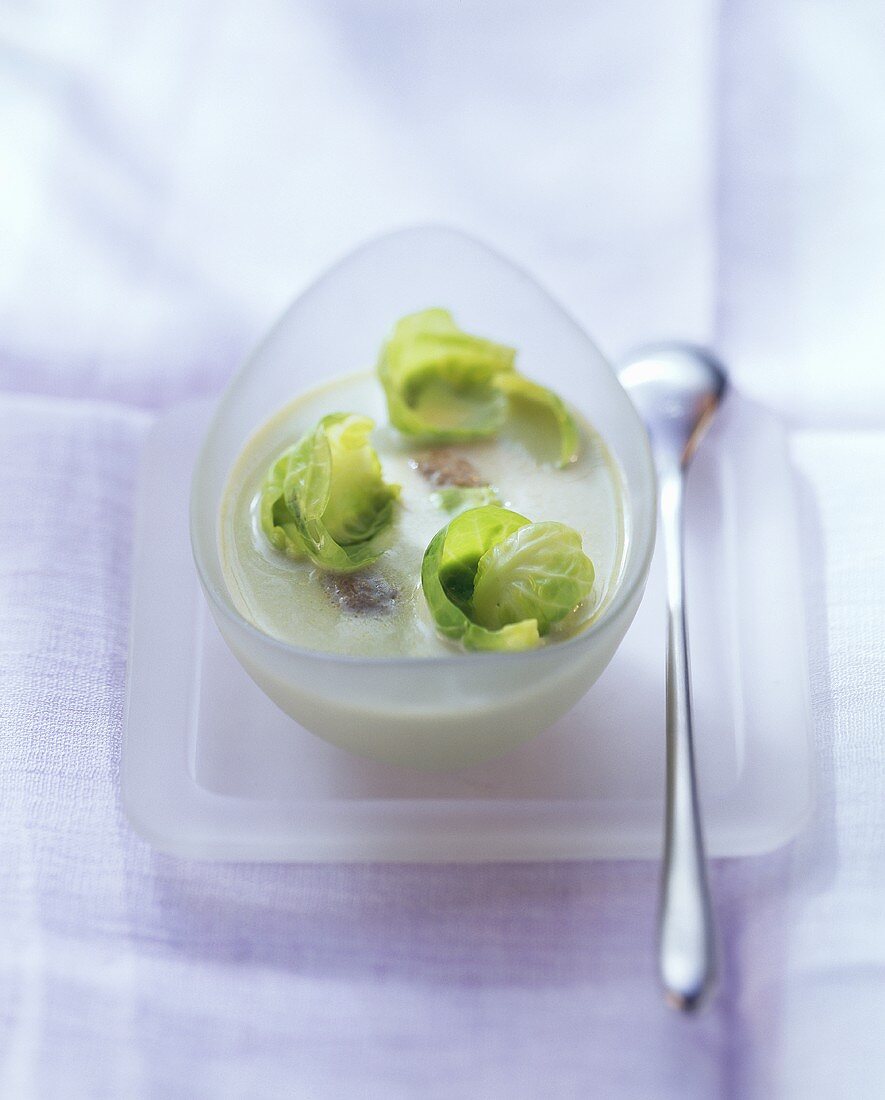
x: 212, y: 769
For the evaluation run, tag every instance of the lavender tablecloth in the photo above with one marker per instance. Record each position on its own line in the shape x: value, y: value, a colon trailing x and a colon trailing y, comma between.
x: 171, y: 176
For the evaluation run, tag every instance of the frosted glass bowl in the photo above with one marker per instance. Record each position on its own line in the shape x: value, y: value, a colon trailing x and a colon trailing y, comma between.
x: 436, y: 712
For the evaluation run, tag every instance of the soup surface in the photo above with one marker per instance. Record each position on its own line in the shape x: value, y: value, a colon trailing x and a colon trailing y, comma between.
x: 381, y: 611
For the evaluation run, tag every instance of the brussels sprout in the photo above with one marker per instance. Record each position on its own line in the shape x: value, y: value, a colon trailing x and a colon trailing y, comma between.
x: 325, y: 498
x: 494, y: 580
x: 446, y: 386
x: 439, y: 381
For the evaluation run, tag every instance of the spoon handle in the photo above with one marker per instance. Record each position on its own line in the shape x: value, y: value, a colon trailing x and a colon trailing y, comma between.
x: 686, y: 938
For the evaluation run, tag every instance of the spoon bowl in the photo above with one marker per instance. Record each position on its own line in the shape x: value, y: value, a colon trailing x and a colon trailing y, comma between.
x: 676, y: 389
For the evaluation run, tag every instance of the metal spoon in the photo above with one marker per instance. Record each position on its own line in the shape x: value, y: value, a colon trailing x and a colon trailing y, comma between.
x: 677, y: 389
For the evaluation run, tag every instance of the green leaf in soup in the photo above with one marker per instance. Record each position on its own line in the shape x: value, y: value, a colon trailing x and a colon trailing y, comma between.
x: 276, y: 519
x: 457, y: 498
x: 539, y: 572
x: 468, y: 537
x: 541, y: 419
x: 507, y: 639
x: 359, y: 503
x: 439, y: 380
x: 453, y: 622
x: 450, y: 619
x: 326, y: 498
x: 495, y: 581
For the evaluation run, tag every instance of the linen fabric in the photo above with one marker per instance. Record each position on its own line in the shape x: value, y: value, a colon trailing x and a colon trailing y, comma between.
x: 173, y: 174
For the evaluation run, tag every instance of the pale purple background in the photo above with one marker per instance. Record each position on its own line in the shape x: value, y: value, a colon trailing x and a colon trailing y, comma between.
x: 172, y: 175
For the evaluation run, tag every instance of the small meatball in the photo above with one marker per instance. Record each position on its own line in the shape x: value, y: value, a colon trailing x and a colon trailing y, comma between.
x: 446, y: 467
x: 360, y: 593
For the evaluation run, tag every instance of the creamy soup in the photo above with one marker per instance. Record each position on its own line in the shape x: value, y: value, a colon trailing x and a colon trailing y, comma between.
x: 381, y: 611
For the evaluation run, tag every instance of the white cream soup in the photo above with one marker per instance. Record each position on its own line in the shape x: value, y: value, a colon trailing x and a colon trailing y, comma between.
x: 297, y: 603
